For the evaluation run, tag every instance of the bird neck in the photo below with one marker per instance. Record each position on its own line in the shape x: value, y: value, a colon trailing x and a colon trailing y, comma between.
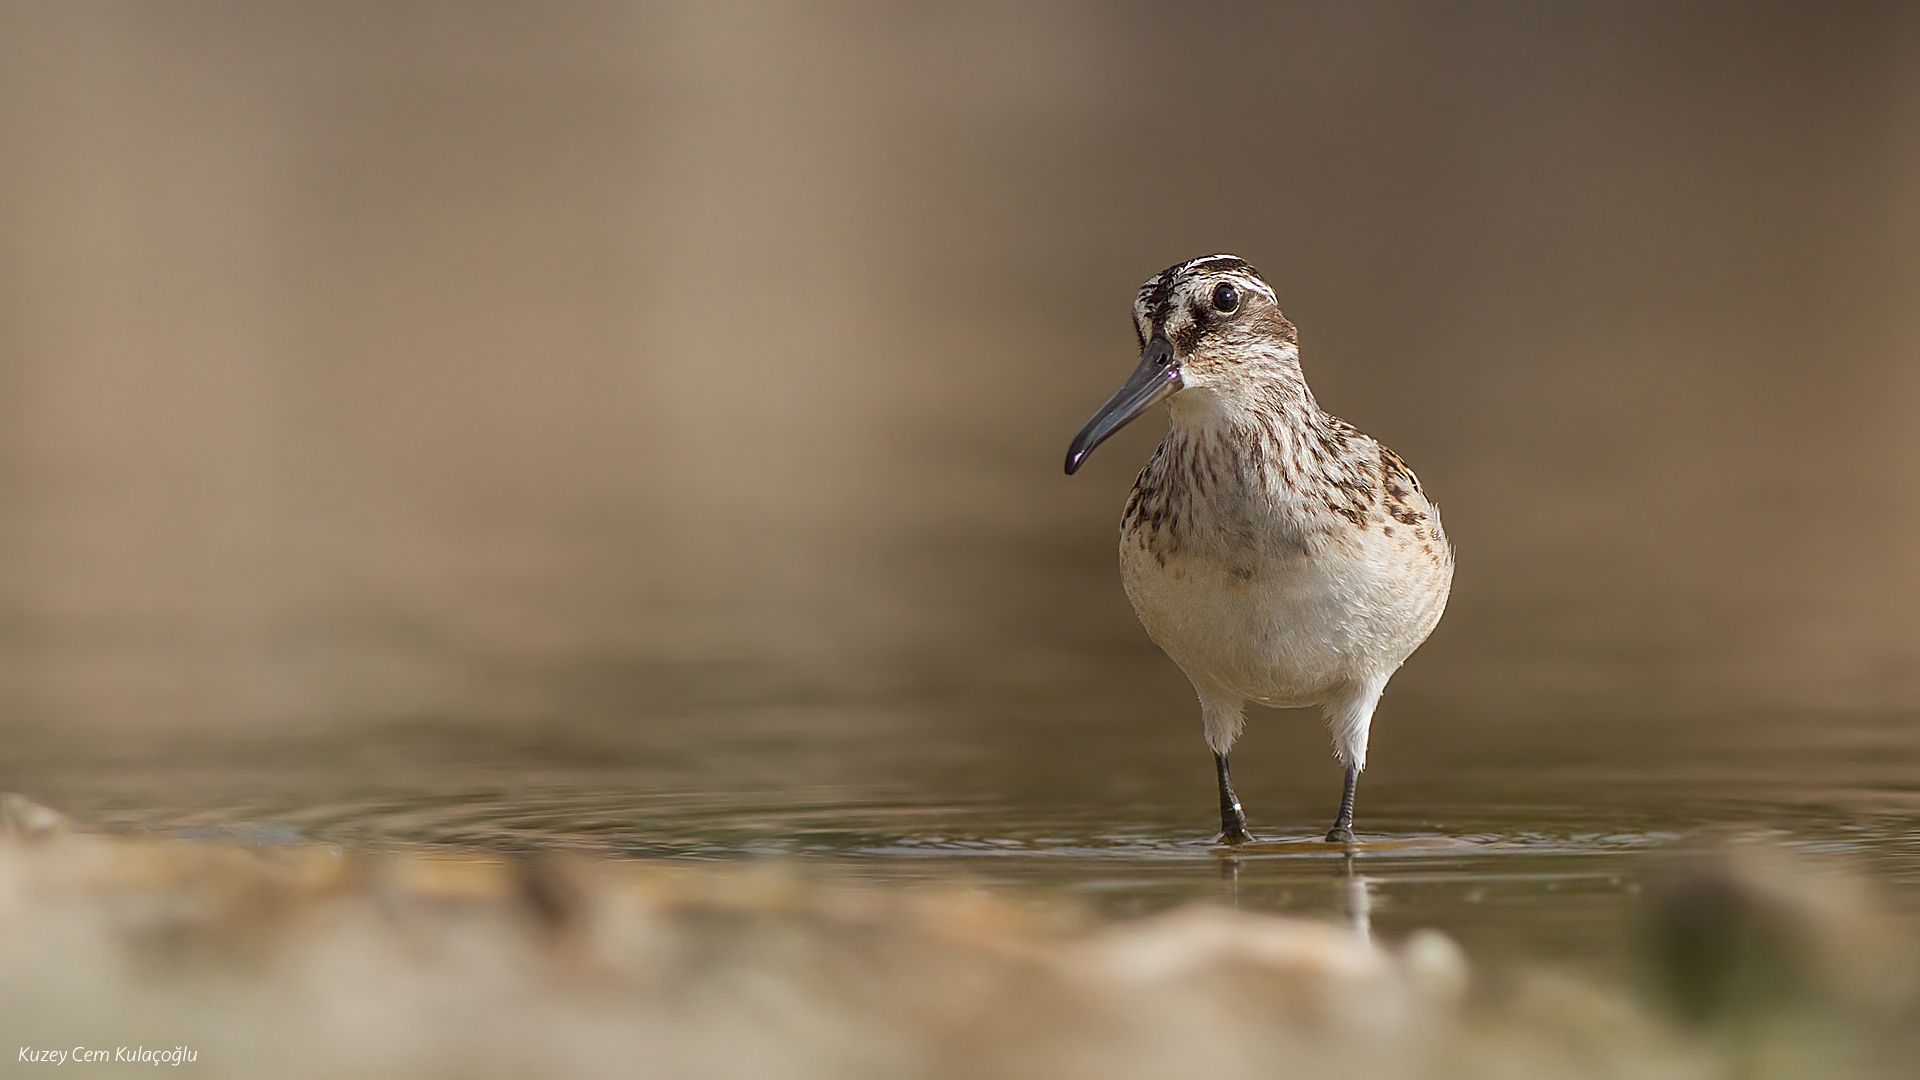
x: 1265, y: 428
x: 1255, y: 408
x: 1249, y: 459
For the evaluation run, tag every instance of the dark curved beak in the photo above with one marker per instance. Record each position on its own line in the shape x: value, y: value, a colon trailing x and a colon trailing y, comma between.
x: 1155, y: 380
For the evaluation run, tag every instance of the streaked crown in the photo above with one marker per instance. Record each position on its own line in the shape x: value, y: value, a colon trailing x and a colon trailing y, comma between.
x: 1215, y: 295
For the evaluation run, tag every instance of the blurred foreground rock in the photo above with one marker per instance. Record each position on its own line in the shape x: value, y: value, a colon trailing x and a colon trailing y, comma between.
x: 1791, y: 968
x: 298, y: 961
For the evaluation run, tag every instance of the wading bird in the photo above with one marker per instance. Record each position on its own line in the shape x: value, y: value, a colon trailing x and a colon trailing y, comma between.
x: 1275, y: 552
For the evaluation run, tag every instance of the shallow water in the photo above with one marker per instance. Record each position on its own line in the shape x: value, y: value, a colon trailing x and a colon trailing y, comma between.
x: 1528, y: 847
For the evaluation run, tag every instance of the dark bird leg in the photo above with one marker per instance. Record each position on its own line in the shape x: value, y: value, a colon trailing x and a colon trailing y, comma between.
x: 1342, y: 831
x: 1233, y: 820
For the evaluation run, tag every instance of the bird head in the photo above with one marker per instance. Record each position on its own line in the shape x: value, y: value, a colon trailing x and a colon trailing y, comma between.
x: 1208, y: 328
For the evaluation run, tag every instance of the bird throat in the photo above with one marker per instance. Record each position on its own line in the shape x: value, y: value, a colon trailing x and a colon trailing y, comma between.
x: 1268, y: 476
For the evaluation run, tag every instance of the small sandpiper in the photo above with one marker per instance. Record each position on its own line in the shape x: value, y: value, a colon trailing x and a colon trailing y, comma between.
x: 1275, y: 552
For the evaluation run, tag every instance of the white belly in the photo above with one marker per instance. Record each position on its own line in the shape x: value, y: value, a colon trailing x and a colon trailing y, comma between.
x: 1287, y: 630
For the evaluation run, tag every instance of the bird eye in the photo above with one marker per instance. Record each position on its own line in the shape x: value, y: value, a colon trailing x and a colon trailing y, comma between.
x: 1225, y: 298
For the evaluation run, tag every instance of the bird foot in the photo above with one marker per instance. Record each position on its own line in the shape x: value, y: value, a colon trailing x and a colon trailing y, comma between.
x: 1340, y: 834
x: 1234, y: 835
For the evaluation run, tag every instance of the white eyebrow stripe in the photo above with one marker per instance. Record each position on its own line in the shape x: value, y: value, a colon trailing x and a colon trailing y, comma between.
x: 1207, y: 259
x: 1249, y: 280
x: 1261, y: 287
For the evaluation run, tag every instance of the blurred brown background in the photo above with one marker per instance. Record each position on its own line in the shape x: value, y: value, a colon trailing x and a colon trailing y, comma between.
x: 372, y: 359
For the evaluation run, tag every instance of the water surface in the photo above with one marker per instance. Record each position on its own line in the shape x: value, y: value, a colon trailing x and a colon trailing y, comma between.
x: 1529, y: 846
